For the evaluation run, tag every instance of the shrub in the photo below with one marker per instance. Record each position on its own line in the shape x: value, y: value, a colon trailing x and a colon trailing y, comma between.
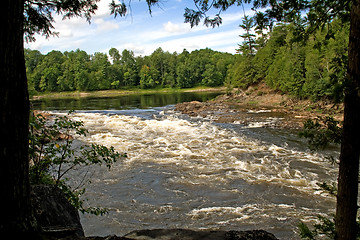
x: 52, y: 156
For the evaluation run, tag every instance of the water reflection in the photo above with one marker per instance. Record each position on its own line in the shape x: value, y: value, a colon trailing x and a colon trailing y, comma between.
x: 140, y: 101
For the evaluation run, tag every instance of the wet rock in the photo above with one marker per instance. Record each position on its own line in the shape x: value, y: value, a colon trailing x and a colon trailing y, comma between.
x: 190, y: 108
x: 184, y: 234
x: 203, y: 109
x: 54, y: 214
x: 250, y: 235
x: 111, y: 237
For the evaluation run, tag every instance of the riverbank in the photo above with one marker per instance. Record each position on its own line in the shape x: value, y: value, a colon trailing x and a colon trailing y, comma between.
x: 262, y: 105
x: 120, y: 92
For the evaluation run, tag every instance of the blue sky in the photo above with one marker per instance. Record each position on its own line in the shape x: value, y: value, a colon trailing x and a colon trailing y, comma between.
x: 141, y: 32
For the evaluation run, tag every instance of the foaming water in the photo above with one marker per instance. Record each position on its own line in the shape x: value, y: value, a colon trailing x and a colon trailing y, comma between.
x: 186, y: 173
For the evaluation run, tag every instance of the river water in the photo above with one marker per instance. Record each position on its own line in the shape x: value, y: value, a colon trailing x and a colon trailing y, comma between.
x: 184, y: 172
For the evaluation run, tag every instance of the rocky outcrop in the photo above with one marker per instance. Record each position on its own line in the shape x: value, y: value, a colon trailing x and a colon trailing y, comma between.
x: 184, y: 234
x: 54, y: 214
x: 242, y: 107
x: 203, y: 109
x: 111, y: 237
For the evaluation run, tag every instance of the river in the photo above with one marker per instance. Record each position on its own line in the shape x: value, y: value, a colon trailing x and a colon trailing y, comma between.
x: 188, y: 172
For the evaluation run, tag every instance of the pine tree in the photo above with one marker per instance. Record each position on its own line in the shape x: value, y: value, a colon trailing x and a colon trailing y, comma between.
x: 248, y: 46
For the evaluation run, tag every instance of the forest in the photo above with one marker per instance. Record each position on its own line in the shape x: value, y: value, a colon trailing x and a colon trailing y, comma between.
x: 311, y: 67
x: 77, y: 70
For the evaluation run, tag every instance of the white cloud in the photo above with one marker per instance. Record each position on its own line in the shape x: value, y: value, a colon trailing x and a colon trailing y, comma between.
x: 69, y: 28
x: 103, y: 26
x: 66, y: 33
x: 175, y: 28
x: 103, y: 10
x: 231, y: 18
x: 137, y: 49
x: 215, y: 40
x: 225, y: 41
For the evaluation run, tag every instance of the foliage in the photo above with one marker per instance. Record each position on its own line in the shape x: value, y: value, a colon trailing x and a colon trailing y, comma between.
x: 316, y: 13
x: 323, y: 230
x: 53, y: 154
x: 328, y: 188
x: 76, y: 70
x: 38, y: 14
x: 315, y: 68
x: 248, y: 46
x: 322, y: 132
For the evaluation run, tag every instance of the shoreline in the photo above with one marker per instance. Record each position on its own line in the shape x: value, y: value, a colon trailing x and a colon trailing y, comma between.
x: 120, y: 92
x: 261, y: 105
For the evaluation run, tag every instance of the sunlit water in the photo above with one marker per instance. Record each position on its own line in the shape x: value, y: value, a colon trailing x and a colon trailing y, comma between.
x: 193, y: 173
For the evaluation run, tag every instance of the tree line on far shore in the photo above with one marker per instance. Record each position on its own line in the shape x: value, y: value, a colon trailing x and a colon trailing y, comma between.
x: 78, y: 70
x: 313, y: 68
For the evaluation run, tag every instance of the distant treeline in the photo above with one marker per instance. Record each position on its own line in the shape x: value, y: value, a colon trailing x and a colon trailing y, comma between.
x: 311, y: 68
x: 77, y: 70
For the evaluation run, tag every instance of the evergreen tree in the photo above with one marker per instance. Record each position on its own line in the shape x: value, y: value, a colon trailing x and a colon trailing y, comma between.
x: 248, y: 46
x: 115, y: 55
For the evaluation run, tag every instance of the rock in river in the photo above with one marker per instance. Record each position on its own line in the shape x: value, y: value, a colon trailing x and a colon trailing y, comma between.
x: 184, y: 234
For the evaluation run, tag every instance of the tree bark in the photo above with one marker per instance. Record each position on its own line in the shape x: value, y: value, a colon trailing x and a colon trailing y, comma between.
x: 16, y: 216
x: 346, y: 209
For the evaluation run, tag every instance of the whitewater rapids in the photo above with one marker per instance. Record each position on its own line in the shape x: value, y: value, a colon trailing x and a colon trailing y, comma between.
x: 192, y: 173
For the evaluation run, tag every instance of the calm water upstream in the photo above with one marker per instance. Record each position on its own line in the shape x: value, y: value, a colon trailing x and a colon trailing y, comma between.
x: 193, y: 173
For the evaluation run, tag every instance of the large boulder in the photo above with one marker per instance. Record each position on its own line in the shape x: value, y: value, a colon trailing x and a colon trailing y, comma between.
x: 54, y: 214
x: 185, y: 234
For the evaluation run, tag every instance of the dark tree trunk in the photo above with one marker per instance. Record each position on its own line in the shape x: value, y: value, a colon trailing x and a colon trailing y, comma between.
x: 16, y: 217
x: 346, y: 209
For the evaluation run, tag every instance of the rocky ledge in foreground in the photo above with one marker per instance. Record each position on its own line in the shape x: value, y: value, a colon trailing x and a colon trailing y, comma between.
x: 185, y: 234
